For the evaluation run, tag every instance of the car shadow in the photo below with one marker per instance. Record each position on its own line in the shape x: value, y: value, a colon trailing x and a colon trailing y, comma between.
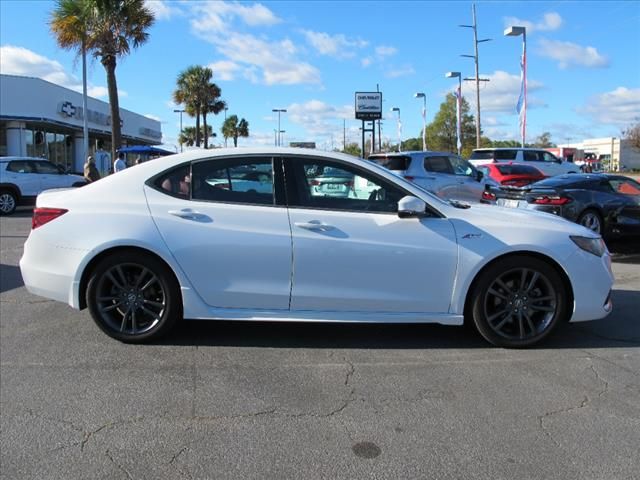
x: 10, y: 277
x: 619, y: 330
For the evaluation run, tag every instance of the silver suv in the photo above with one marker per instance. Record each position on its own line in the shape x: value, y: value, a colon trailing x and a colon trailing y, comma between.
x: 544, y: 161
x: 444, y: 174
x: 23, y: 178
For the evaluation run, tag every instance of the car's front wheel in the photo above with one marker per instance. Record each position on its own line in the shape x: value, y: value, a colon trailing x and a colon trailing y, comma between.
x: 518, y: 301
x: 8, y: 202
x: 133, y: 297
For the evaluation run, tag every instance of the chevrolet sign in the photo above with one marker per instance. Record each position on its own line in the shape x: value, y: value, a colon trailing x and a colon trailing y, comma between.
x: 368, y: 105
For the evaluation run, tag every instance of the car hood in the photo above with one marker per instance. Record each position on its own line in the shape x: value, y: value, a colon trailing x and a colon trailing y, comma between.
x: 515, y: 225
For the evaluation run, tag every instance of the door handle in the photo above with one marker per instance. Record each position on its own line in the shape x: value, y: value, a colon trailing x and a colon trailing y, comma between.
x: 185, y: 213
x: 314, y: 225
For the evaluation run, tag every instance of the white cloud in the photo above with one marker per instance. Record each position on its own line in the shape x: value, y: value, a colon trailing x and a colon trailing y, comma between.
x: 399, y: 72
x: 550, y: 21
x: 500, y: 93
x: 318, y: 118
x: 224, y: 70
x: 162, y: 10
x: 24, y: 62
x: 619, y: 107
x: 275, y: 60
x: 216, y: 16
x: 385, y: 51
x: 570, y: 54
x: 338, y: 46
x: 365, y: 62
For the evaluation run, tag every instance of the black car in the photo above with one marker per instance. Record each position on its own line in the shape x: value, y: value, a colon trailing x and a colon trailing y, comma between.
x: 607, y: 204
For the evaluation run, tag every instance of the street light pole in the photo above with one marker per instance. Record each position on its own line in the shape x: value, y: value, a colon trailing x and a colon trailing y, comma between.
x: 281, y: 136
x: 424, y: 120
x: 225, y: 121
x: 458, y: 75
x: 396, y: 109
x: 477, y: 79
x: 179, y: 138
x: 279, y: 110
x: 521, y: 107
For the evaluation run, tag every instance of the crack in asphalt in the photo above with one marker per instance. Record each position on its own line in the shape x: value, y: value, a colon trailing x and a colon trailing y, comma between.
x: 175, y: 457
x: 120, y: 467
x: 606, y: 384
x: 541, y: 418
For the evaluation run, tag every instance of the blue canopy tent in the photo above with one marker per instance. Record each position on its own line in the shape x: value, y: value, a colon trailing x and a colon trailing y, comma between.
x: 145, y: 153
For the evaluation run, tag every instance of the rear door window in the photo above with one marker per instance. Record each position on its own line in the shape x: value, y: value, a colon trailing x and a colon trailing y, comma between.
x: 505, y: 154
x: 20, y: 166
x: 530, y: 156
x: 438, y: 165
x: 392, y: 162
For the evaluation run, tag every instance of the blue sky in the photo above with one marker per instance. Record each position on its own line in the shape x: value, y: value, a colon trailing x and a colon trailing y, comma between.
x: 310, y: 58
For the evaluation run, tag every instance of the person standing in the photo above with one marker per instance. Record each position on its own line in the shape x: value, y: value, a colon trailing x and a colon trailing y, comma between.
x: 91, y: 173
x: 119, y: 164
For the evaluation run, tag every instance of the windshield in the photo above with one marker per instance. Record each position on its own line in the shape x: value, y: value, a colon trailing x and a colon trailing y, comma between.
x: 391, y: 162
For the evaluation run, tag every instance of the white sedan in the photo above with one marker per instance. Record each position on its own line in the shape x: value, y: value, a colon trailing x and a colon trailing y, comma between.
x: 142, y: 256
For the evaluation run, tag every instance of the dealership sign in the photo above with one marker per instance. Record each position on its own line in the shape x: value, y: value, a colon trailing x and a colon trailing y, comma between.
x: 368, y: 105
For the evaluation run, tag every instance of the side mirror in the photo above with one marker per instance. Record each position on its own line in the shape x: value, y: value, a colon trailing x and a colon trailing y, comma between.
x: 411, y: 207
x: 479, y: 175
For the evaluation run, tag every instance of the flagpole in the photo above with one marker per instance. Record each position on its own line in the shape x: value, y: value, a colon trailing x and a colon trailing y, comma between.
x: 524, y: 73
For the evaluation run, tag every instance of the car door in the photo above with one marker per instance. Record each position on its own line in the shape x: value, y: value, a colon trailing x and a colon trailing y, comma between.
x: 469, y: 188
x: 22, y: 173
x: 444, y: 182
x: 226, y: 231
x: 50, y: 176
x: 354, y: 254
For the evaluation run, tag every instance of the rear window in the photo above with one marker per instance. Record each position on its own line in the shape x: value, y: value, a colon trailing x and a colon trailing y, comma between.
x: 392, y: 162
x: 493, y: 154
x: 517, y: 170
x: 565, y: 181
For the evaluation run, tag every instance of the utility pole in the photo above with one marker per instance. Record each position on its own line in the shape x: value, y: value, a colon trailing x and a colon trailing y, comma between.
x: 344, y: 134
x: 477, y: 79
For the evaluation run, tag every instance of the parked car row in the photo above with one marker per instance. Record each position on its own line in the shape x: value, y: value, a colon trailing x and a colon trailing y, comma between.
x: 23, y: 178
x: 295, y: 250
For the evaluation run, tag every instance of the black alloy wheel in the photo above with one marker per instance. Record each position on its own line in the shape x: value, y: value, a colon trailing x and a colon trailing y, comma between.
x: 518, y: 301
x: 592, y: 220
x: 8, y: 202
x: 133, y: 297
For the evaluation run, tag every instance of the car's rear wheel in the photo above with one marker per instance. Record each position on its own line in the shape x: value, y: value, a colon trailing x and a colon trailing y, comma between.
x: 8, y: 202
x: 518, y: 301
x: 133, y: 297
x: 592, y: 220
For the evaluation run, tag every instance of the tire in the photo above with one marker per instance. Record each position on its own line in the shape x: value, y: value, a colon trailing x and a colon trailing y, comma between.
x: 518, y: 301
x: 8, y: 202
x: 134, y: 297
x: 591, y: 219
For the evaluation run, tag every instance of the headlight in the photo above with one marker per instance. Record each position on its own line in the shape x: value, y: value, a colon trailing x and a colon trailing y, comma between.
x: 595, y: 246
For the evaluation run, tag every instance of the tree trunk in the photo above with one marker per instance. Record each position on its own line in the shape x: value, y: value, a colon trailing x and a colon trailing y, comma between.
x: 235, y: 141
x: 197, y: 126
x: 109, y: 63
x: 204, y: 124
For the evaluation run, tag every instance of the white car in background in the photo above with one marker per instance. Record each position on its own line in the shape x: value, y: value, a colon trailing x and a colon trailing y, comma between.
x: 23, y: 178
x: 141, y: 257
x: 543, y: 160
x: 444, y: 174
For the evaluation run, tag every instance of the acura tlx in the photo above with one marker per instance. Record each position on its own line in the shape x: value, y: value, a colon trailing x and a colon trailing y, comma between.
x: 243, y: 234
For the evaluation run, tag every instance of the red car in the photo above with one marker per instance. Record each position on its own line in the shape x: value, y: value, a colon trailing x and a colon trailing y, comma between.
x: 512, y: 174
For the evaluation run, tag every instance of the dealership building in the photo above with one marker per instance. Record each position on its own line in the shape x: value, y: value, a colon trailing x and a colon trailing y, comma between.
x: 41, y: 119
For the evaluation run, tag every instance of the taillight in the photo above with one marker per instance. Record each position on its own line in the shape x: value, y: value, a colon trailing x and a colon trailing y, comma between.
x: 409, y: 177
x: 45, y: 215
x: 486, y: 195
x: 550, y: 200
x: 314, y: 183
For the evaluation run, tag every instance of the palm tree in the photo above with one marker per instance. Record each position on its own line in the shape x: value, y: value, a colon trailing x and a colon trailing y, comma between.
x: 232, y: 128
x: 188, y: 135
x: 211, y: 103
x: 199, y: 96
x: 108, y: 29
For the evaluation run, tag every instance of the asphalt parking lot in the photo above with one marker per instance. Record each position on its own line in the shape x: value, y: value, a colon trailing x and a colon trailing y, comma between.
x: 265, y: 401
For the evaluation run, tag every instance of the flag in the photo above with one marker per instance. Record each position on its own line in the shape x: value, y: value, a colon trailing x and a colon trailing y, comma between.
x: 521, y: 106
x: 458, y: 95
